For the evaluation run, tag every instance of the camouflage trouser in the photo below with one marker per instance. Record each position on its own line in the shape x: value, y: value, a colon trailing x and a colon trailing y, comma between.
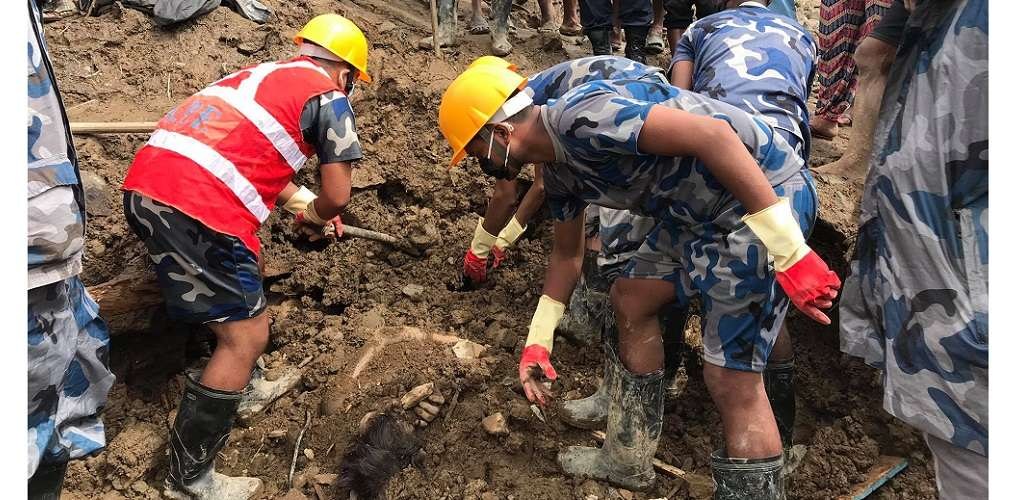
x: 68, y: 373
x: 961, y: 474
x: 724, y: 264
x: 205, y: 276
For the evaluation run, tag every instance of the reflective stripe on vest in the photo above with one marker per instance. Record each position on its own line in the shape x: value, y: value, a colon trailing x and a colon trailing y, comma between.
x: 216, y: 164
x: 243, y: 100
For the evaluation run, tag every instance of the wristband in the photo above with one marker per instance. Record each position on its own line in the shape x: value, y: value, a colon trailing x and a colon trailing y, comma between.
x: 543, y: 323
x: 299, y: 201
x: 778, y: 229
x: 510, y: 234
x: 482, y: 243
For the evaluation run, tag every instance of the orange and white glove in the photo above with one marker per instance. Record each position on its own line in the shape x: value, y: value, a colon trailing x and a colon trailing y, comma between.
x: 507, y: 237
x: 475, y: 270
x: 806, y: 279
x: 534, y: 360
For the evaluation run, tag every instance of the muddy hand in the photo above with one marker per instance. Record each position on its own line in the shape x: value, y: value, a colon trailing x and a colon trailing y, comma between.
x: 535, y: 368
x: 315, y: 232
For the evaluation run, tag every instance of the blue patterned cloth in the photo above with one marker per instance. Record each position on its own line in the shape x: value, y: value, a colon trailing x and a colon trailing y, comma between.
x: 916, y: 302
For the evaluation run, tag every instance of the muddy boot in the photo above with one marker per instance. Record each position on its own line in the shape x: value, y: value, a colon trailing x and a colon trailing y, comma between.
x: 200, y: 431
x: 742, y: 478
x: 780, y: 385
x: 591, y: 412
x: 636, y: 41
x: 631, y: 435
x: 447, y: 26
x: 500, y: 27
x: 601, y: 44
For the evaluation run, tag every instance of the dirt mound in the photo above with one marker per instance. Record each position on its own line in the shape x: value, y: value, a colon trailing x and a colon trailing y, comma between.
x: 333, y: 304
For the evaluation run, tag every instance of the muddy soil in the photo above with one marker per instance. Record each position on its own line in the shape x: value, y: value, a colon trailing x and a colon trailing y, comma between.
x: 333, y: 303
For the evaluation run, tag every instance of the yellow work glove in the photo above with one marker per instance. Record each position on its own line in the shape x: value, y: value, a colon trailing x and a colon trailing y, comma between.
x: 482, y: 243
x: 509, y: 234
x: 780, y: 232
x: 299, y: 201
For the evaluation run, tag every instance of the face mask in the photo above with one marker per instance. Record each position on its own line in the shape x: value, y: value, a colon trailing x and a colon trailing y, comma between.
x: 489, y: 167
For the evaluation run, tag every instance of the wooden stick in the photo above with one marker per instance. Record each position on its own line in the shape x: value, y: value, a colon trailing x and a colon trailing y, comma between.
x: 673, y: 471
x: 297, y: 446
x: 435, y: 29
x: 368, y: 234
x: 84, y: 128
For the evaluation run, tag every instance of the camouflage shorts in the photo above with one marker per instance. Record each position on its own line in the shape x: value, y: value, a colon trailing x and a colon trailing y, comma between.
x: 724, y: 265
x: 68, y: 373
x: 205, y: 276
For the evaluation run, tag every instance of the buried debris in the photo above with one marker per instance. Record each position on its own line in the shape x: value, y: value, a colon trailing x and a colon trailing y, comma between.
x: 886, y: 468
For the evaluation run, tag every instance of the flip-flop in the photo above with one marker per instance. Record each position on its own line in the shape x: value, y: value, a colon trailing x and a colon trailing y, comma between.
x: 571, y: 30
x: 548, y: 28
x: 479, y: 29
x: 845, y: 121
x: 655, y: 44
x: 822, y: 135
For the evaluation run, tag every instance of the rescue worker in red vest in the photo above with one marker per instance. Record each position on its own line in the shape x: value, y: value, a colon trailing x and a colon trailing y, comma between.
x: 198, y: 191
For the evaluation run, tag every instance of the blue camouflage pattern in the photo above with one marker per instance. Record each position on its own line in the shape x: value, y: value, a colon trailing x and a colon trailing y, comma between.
x: 204, y: 276
x: 555, y: 81
x: 699, y: 241
x: 56, y: 202
x: 327, y: 121
x: 68, y: 373
x: 68, y: 344
x: 757, y: 60
x: 916, y: 302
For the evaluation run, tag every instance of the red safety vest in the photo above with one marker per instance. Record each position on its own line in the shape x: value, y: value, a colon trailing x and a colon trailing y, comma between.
x: 224, y: 154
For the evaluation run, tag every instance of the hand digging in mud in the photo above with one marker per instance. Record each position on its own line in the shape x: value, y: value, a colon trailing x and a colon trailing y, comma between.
x: 536, y: 374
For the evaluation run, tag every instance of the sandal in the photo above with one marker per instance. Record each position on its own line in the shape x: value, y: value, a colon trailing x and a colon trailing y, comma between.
x: 568, y: 30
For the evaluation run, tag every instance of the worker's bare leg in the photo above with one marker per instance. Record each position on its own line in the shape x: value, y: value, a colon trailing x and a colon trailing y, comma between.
x: 238, y: 345
x: 548, y: 24
x: 479, y: 23
x: 500, y: 30
x: 747, y: 420
x: 571, y: 18
x: 634, y: 422
x: 873, y: 59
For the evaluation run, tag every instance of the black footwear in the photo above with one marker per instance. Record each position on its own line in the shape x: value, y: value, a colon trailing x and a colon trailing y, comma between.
x: 200, y: 431
x: 631, y: 435
x: 601, y: 41
x: 636, y: 42
x: 780, y: 384
x: 744, y: 478
x: 47, y: 481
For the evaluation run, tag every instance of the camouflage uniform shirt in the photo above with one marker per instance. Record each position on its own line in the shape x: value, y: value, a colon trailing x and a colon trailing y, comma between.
x: 757, y: 60
x: 916, y: 302
x: 327, y: 121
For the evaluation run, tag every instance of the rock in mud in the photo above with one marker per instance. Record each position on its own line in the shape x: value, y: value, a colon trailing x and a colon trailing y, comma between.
x: 699, y: 486
x: 326, y: 479
x: 437, y: 398
x: 465, y: 349
x: 134, y: 452
x: 495, y: 425
x: 294, y: 494
x: 413, y: 290
x: 415, y: 395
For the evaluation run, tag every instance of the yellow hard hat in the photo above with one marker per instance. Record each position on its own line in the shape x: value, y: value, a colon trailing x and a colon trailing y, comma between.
x: 493, y: 61
x: 472, y: 100
x: 341, y: 37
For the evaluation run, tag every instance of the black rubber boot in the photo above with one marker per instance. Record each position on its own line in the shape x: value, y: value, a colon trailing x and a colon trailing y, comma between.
x: 743, y: 478
x: 47, y: 481
x: 636, y: 42
x: 601, y: 41
x: 631, y: 436
x: 780, y: 384
x: 200, y: 431
x: 592, y: 412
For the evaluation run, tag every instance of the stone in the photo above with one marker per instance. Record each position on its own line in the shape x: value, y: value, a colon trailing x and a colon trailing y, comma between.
x: 326, y: 479
x: 415, y: 395
x: 308, y: 452
x: 700, y: 486
x: 437, y: 398
x: 465, y: 349
x: 591, y: 488
x: 488, y: 495
x: 413, y: 290
x: 386, y: 27
x: 495, y: 425
x: 427, y: 417
x: 294, y: 494
x: 428, y: 407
